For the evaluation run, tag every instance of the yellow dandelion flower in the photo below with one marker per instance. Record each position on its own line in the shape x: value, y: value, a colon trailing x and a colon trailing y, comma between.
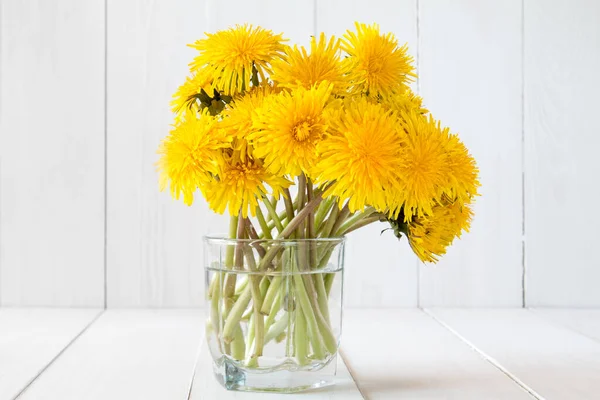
x: 423, y: 167
x: 288, y: 128
x: 230, y: 56
x: 188, y: 156
x: 239, y: 185
x: 360, y: 154
x: 435, y: 166
x: 464, y: 174
x: 430, y: 235
x: 377, y: 65
x: 405, y: 101
x: 185, y: 99
x: 238, y: 117
x: 300, y: 68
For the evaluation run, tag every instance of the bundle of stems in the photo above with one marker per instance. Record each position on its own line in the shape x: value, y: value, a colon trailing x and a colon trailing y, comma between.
x: 275, y: 279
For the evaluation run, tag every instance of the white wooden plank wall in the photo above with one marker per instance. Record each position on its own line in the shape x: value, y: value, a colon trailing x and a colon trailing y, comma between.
x: 562, y: 60
x: 52, y: 153
x: 470, y: 78
x: 154, y: 247
x: 516, y: 79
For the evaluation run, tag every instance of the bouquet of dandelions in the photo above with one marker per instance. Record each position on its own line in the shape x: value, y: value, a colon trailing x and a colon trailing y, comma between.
x: 338, y: 126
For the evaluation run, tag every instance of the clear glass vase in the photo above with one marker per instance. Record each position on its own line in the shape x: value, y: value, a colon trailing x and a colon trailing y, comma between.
x: 275, y: 314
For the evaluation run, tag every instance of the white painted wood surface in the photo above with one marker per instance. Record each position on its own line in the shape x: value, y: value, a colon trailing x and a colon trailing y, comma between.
x: 145, y: 354
x: 31, y: 338
x: 206, y: 387
x: 470, y: 78
x: 52, y: 153
x: 584, y: 321
x: 554, y: 361
x: 154, y: 253
x: 562, y: 60
x: 373, y: 257
x: 392, y: 354
x: 406, y: 354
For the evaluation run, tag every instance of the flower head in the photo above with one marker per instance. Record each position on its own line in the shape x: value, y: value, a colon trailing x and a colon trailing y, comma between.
x: 360, y: 154
x: 300, y: 68
x: 238, y: 117
x: 405, y: 101
x: 423, y: 166
x: 430, y: 235
x: 189, y: 155
x: 434, y: 166
x: 288, y: 128
x: 240, y: 184
x: 186, y: 98
x: 463, y: 177
x: 376, y: 64
x: 232, y: 56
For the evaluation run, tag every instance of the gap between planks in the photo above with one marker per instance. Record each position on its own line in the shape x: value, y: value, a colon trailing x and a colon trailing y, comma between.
x: 351, y: 372
x: 485, y: 356
x: 60, y: 353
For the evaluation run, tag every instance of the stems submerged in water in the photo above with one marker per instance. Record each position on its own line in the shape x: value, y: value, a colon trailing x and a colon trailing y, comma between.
x: 285, y: 290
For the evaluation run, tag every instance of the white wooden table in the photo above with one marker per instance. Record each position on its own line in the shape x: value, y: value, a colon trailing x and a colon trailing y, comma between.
x: 387, y: 354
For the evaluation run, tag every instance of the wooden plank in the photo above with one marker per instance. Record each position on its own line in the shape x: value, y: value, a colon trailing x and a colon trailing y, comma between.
x: 206, y: 387
x: 294, y: 19
x: 470, y: 79
x: 554, y: 361
x: 52, y: 153
x: 380, y: 271
x: 145, y: 354
x: 584, y: 321
x: 405, y: 354
x: 154, y: 242
x: 561, y: 93
x: 31, y: 338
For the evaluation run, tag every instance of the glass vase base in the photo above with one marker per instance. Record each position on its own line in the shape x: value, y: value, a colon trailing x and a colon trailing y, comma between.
x: 279, y: 380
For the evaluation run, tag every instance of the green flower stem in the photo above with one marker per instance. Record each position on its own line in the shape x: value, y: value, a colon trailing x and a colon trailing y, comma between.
x: 275, y: 306
x: 342, y: 216
x: 259, y: 321
x: 274, y: 217
x: 229, y: 289
x: 240, y: 286
x: 277, y: 328
x: 271, y: 294
x: 329, y: 278
x: 306, y: 292
x: 328, y: 226
x: 289, y: 206
x: 263, y: 287
x: 214, y: 306
x: 322, y: 296
x: 350, y: 222
x: 310, y: 227
x: 233, y: 227
x: 299, y: 218
x: 301, y: 199
x: 213, y: 284
x: 238, y: 346
x: 250, y: 348
x: 323, y: 210
x: 300, y: 342
x: 311, y: 321
x: 235, y: 314
x: 263, y: 224
x: 287, y: 231
x: 361, y: 223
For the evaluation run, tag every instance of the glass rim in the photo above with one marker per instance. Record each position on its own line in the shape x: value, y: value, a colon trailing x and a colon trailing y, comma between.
x: 224, y: 239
